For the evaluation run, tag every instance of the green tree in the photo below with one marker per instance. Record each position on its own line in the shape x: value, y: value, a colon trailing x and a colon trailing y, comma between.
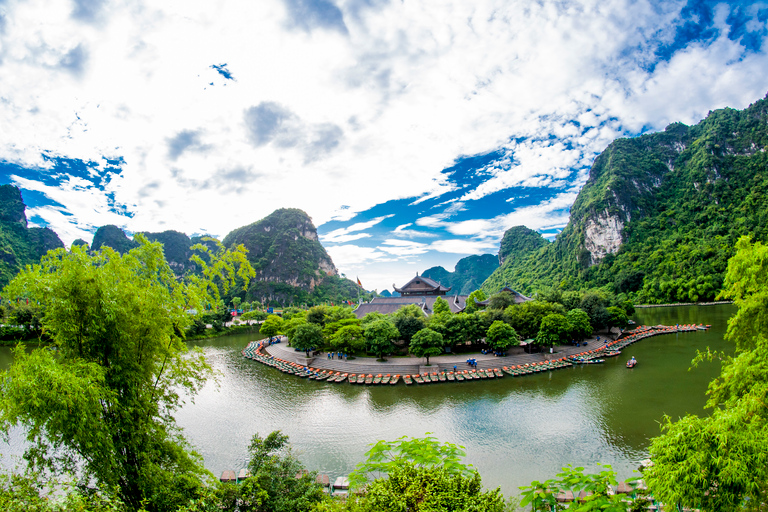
x: 718, y: 462
x: 426, y: 343
x: 236, y: 302
x: 553, y: 330
x: 274, y: 471
x: 349, y: 338
x: 289, y: 326
x: 426, y: 452
x: 317, y: 315
x: 471, y: 306
x: 441, y: 306
x: 426, y: 489
x: 379, y: 335
x: 271, y: 326
x: 526, y: 317
x: 578, y: 324
x: 307, y: 336
x: 543, y: 495
x: 408, y: 326
x: 501, y: 336
x: 104, y: 401
x: 501, y: 300
x: 617, y: 317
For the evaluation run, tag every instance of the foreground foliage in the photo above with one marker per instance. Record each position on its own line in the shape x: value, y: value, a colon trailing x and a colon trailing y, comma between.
x: 720, y: 462
x: 101, y: 400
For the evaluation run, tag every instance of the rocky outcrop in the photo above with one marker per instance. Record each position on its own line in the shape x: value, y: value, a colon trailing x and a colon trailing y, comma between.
x: 283, y: 248
x: 19, y: 244
x: 602, y: 235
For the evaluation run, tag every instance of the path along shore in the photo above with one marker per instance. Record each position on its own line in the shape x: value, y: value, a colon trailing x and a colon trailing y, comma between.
x: 292, y: 361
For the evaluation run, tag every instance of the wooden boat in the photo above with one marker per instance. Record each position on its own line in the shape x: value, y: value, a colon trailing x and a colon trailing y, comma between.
x: 471, y: 375
x: 459, y: 377
x: 490, y: 374
x: 508, y: 371
x: 407, y: 379
x: 361, y: 378
x: 342, y: 378
x: 481, y: 374
x: 450, y: 377
x: 497, y: 372
x: 418, y: 379
x: 433, y: 377
x: 377, y: 379
x: 394, y: 380
x: 352, y: 379
x: 441, y: 376
x: 611, y: 353
x: 368, y: 379
x: 631, y: 363
x: 386, y: 378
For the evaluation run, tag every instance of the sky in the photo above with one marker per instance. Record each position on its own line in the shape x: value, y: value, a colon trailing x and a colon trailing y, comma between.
x: 414, y: 133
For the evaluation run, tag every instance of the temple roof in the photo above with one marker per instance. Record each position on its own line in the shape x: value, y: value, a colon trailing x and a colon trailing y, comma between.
x: 387, y: 305
x: 421, y: 285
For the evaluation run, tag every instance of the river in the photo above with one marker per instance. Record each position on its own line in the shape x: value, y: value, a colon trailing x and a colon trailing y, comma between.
x: 515, y: 430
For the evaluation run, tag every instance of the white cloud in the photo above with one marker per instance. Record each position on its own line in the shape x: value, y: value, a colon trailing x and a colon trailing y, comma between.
x: 343, y: 234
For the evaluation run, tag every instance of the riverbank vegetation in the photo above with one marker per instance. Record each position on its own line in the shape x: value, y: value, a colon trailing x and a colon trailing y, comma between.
x: 554, y: 318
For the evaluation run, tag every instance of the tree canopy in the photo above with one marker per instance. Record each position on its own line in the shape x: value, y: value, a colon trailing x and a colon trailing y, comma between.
x: 426, y: 343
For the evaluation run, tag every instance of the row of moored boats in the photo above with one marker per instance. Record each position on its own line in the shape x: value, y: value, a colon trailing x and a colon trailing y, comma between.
x: 255, y: 351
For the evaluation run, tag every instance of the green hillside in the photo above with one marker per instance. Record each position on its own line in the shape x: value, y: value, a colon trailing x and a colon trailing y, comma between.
x: 469, y: 274
x: 114, y: 237
x: 660, y: 213
x: 291, y: 265
x: 20, y: 245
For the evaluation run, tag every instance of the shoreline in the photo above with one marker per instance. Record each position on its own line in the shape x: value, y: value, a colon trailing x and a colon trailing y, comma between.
x: 684, y: 304
x: 296, y: 362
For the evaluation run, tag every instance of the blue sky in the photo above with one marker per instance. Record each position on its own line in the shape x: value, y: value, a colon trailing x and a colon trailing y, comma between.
x: 413, y: 133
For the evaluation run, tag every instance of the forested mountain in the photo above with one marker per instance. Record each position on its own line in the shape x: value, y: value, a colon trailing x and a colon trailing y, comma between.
x: 660, y: 213
x: 291, y: 265
x: 114, y: 237
x: 469, y: 274
x: 20, y: 245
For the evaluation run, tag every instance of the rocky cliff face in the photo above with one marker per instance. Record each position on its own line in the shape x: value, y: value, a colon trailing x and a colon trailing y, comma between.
x: 283, y: 248
x: 20, y: 245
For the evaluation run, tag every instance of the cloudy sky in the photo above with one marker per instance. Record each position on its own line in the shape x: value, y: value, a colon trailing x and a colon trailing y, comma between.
x: 413, y: 132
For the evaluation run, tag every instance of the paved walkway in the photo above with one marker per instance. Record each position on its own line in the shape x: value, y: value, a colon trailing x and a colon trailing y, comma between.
x: 410, y: 365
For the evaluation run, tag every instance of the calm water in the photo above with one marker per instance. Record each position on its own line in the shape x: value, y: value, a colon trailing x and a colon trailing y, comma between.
x: 514, y: 429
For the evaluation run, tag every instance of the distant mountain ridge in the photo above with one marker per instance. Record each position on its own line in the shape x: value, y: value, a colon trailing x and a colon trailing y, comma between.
x: 660, y: 213
x: 20, y: 245
x: 291, y: 265
x: 469, y: 274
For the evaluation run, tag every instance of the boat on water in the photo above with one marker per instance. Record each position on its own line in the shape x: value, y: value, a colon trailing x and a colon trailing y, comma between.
x: 497, y: 372
x: 377, y: 379
x: 407, y: 379
x: 418, y: 379
x: 450, y: 376
x: 433, y: 377
x: 368, y: 379
x: 441, y: 376
x: 459, y: 377
x: 386, y: 379
x: 632, y: 362
x: 611, y: 353
x: 394, y: 380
